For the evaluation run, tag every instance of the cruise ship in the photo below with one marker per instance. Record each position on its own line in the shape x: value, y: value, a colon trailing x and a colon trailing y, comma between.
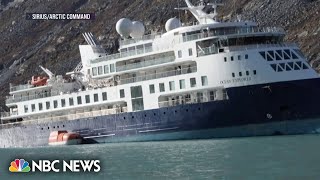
x: 208, y: 79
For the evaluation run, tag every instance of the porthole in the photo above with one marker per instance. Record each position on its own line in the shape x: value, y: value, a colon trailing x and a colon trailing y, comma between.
x: 54, y: 127
x: 187, y: 110
x: 62, y: 125
x: 124, y: 117
x: 48, y: 128
x: 164, y: 112
x: 145, y: 115
x: 41, y: 128
x: 154, y: 113
x: 132, y: 117
x: 175, y: 111
x: 57, y: 126
x: 199, y: 109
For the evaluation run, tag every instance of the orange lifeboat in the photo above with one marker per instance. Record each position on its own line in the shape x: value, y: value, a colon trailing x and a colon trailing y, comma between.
x: 39, y: 80
x: 64, y: 138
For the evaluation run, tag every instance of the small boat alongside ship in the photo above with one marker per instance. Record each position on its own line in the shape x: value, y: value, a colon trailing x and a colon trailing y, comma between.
x: 58, y: 138
x: 209, y: 79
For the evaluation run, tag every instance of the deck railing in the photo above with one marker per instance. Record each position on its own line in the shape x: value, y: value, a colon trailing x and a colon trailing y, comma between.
x: 123, y: 54
x: 146, y: 63
x: 11, y: 99
x: 143, y: 38
x: 20, y: 87
x: 235, y: 31
x: 69, y: 116
x: 146, y: 77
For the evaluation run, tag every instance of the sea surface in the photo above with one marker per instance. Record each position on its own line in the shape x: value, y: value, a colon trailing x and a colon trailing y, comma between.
x: 276, y: 157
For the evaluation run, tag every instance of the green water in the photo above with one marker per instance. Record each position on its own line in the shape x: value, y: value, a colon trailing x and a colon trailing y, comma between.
x: 283, y: 157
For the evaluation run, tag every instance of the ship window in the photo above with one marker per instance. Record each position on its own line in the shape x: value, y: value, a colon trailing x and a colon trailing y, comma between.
x: 246, y: 56
x: 179, y: 54
x: 171, y: 86
x: 239, y: 57
x: 106, y: 69
x: 40, y: 107
x: 161, y: 87
x: 47, y: 105
x: 25, y: 108
x: 269, y: 58
x: 274, y: 67
x: 94, y: 71
x: 204, y: 80
x: 87, y: 98
x: 247, y: 73
x: 193, y: 82
x: 290, y: 65
x: 263, y: 54
x: 151, y: 88
x: 99, y: 70
x: 294, y: 56
x: 304, y: 66
x: 122, y: 95
x: 271, y: 54
x: 95, y: 98
x: 288, y: 68
x: 254, y: 72
x: 296, y: 67
x: 136, y: 92
x: 55, y: 104
x: 231, y: 58
x: 71, y: 101
x: 63, y: 102
x: 190, y: 52
x: 233, y: 75
x: 240, y: 74
x: 104, y: 96
x: 225, y: 59
x: 79, y: 101
x: 212, y: 95
x: 111, y: 68
x: 182, y: 84
x: 286, y: 54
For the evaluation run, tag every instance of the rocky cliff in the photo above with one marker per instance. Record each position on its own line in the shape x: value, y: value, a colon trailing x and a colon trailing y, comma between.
x: 26, y: 44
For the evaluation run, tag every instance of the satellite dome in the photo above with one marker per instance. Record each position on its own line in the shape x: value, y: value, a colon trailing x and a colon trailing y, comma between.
x: 172, y: 23
x: 124, y: 27
x: 137, y: 29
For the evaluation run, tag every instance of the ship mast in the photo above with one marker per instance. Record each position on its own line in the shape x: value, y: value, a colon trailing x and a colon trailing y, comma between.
x: 201, y: 16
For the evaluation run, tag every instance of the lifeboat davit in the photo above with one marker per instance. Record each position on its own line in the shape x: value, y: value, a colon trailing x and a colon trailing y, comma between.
x: 39, y: 80
x: 64, y: 138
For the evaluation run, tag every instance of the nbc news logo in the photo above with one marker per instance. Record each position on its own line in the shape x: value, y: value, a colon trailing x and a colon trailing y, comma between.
x: 20, y: 165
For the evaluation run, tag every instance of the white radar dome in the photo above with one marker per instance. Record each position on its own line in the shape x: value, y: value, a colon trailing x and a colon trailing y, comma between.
x: 124, y: 27
x: 137, y: 30
x: 172, y: 23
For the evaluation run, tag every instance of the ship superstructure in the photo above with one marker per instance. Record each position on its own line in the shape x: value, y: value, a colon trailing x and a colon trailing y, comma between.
x: 204, y: 68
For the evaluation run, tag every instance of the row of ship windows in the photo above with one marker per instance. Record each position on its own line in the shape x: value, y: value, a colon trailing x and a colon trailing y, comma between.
x: 182, y: 84
x: 103, y: 70
x: 54, y: 127
x: 247, y: 73
x: 87, y: 99
x: 239, y: 58
x: 279, y: 55
x: 289, y: 66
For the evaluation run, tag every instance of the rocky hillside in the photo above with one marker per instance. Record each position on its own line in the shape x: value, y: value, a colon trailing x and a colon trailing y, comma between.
x: 27, y: 44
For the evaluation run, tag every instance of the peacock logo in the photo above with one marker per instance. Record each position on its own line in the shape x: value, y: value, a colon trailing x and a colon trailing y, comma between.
x: 19, y: 165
